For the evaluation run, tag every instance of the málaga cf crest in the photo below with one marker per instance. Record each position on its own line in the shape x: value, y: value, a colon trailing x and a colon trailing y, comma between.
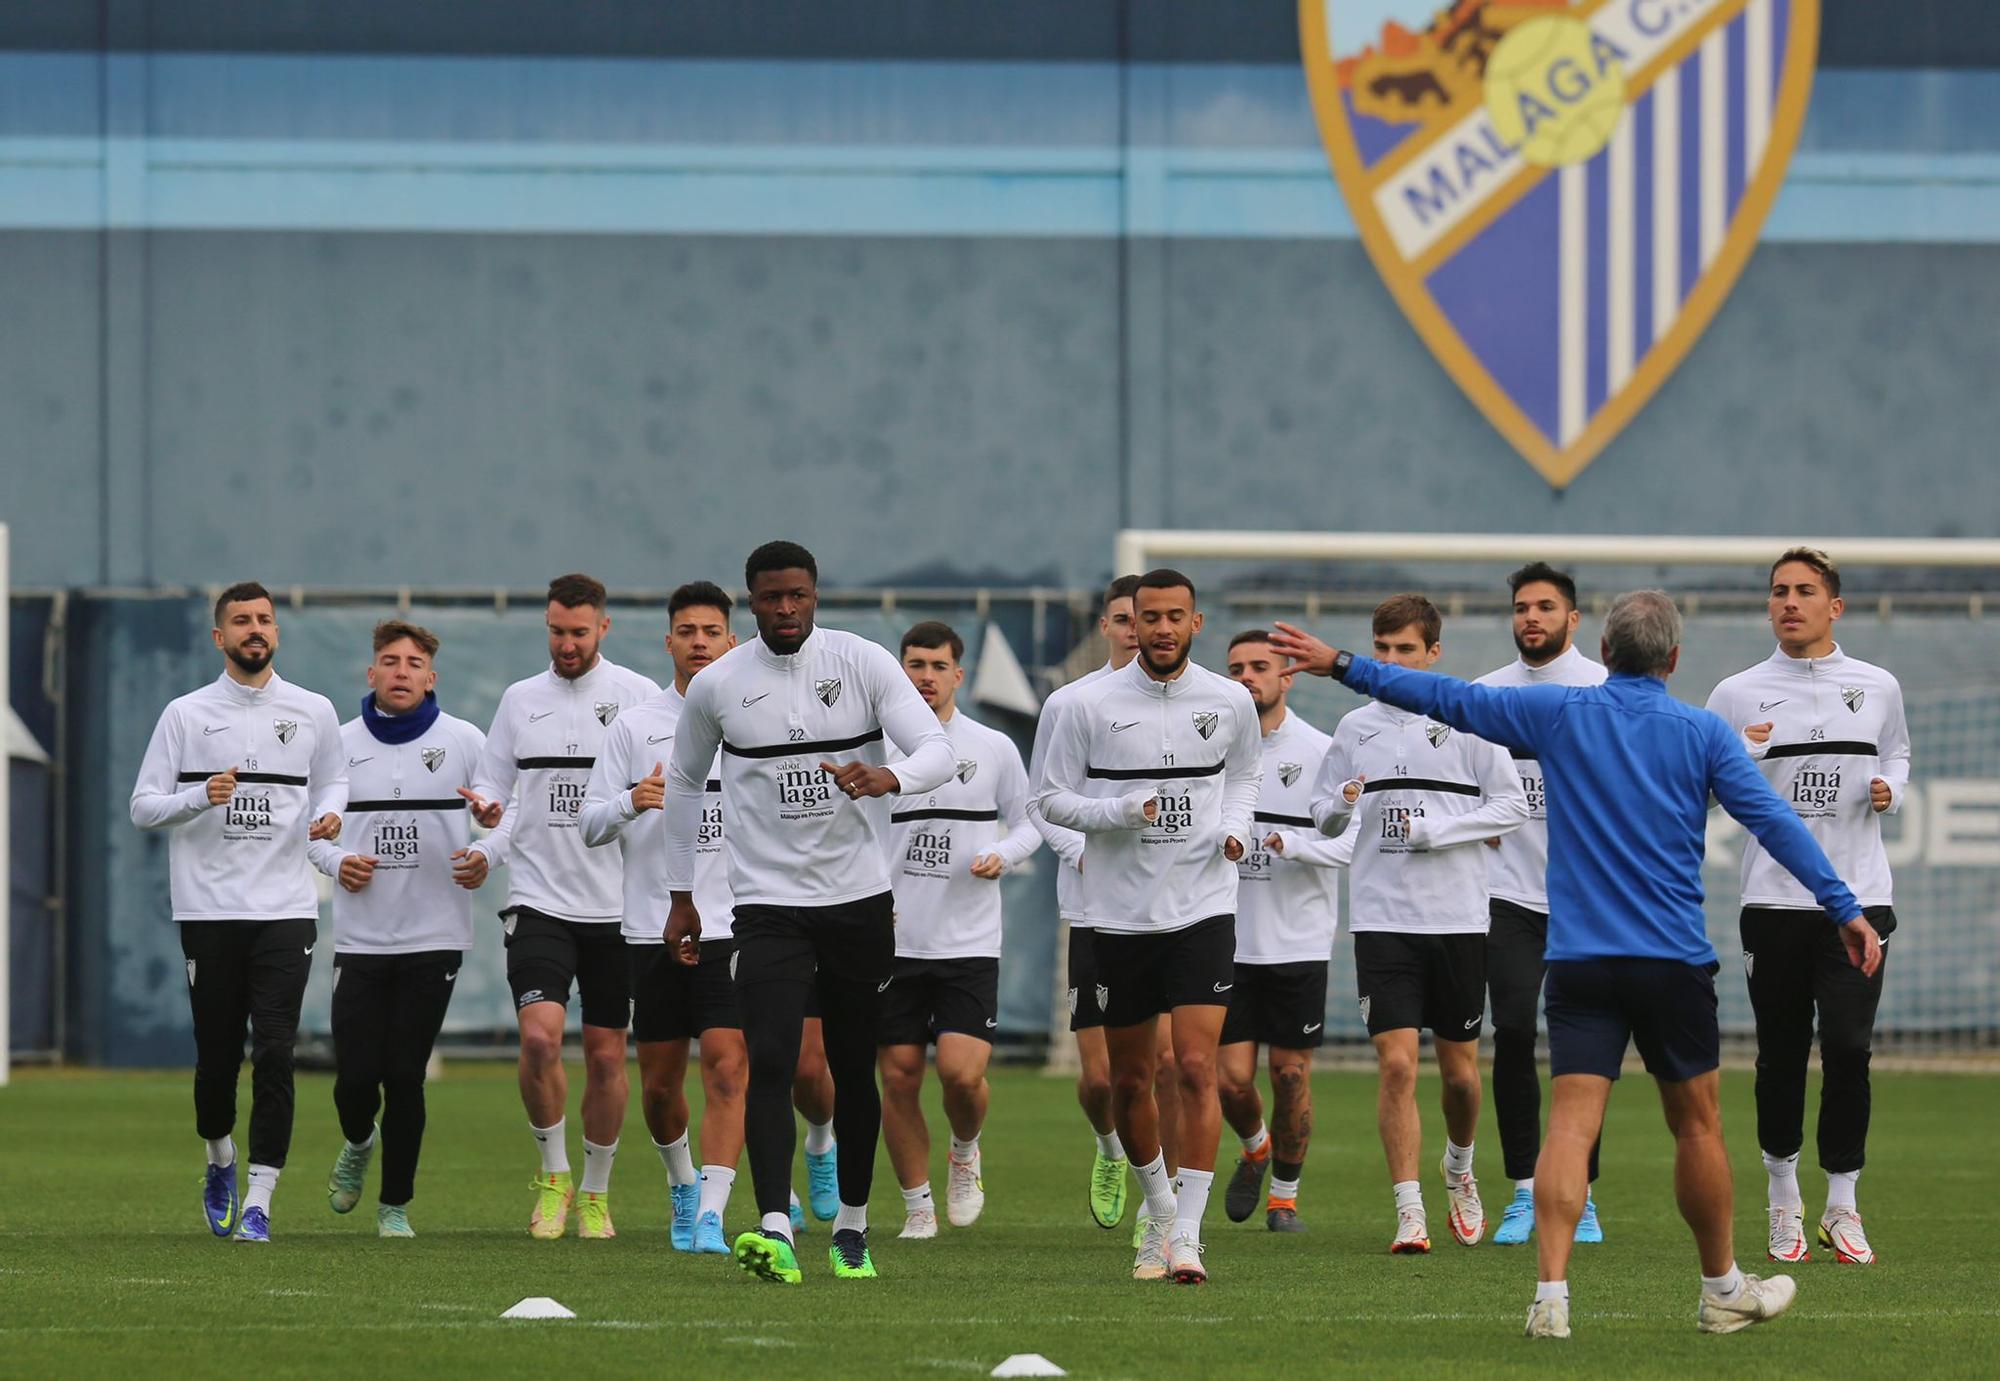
x: 1560, y: 193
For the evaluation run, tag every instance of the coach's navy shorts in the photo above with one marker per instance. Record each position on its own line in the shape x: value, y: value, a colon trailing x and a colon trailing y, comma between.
x: 1665, y: 1007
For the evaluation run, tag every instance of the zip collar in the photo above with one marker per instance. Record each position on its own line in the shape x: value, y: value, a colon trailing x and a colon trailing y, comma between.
x: 587, y: 681
x: 250, y: 695
x: 1135, y: 673
x: 790, y: 661
x: 1789, y: 665
x: 1551, y: 669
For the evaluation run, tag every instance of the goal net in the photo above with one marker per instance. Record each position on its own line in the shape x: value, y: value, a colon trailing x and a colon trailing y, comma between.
x: 1918, y: 608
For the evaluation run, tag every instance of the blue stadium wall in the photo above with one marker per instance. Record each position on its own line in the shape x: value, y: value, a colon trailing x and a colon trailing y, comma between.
x: 466, y: 292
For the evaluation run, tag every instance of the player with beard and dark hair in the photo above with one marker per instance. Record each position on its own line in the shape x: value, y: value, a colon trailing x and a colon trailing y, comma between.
x: 800, y: 714
x: 1545, y: 622
x: 247, y: 771
x: 564, y: 899
x: 1159, y: 766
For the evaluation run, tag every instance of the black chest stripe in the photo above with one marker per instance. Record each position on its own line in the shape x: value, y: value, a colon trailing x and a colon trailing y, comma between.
x: 1150, y: 774
x: 1271, y: 817
x: 260, y: 778
x: 1421, y: 784
x: 941, y: 813
x: 789, y: 750
x: 532, y: 764
x: 455, y: 803
x: 1826, y: 748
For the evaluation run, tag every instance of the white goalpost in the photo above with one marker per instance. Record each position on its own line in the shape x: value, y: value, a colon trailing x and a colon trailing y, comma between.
x: 1139, y: 549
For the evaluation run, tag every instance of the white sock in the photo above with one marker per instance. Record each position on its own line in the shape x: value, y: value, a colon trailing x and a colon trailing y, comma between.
x: 1110, y: 1147
x: 554, y: 1142
x: 918, y: 1200
x: 1457, y: 1160
x: 1157, y: 1187
x: 1284, y: 1189
x: 1784, y: 1180
x: 777, y: 1225
x: 964, y: 1150
x: 675, y: 1156
x: 263, y: 1183
x: 597, y: 1167
x: 716, y: 1182
x: 1257, y: 1140
x: 1190, y: 1202
x: 1409, y: 1194
x: 367, y: 1145
x: 819, y: 1138
x: 1726, y: 1286
x: 222, y: 1152
x: 1840, y: 1189
x: 1552, y: 1289
x: 851, y: 1217
x: 1527, y: 1187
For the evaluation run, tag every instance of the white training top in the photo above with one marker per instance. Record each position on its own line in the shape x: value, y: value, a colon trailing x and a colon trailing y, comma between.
x: 1517, y: 871
x: 638, y: 738
x: 244, y: 860
x: 1837, y: 722
x: 794, y: 838
x: 1431, y: 797
x: 942, y: 910
x: 539, y: 753
x: 1286, y: 911
x: 1067, y: 843
x: 404, y: 811
x: 1192, y: 745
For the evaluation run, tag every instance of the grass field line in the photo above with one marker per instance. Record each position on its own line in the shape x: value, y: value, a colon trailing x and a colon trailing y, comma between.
x: 765, y: 1341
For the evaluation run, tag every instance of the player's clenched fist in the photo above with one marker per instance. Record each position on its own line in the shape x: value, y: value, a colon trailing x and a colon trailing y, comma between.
x: 651, y: 794
x: 356, y: 871
x: 221, y: 787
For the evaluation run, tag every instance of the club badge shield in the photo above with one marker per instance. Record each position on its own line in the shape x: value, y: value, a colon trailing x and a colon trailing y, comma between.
x: 1559, y: 193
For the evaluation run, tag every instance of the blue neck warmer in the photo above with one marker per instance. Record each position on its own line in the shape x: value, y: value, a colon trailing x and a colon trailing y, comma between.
x: 399, y: 728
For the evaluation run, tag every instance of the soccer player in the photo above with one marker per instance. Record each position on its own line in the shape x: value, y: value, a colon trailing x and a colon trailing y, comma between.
x: 1423, y: 796
x: 672, y: 1002
x: 1119, y: 627
x: 1828, y: 731
x: 563, y: 899
x: 1545, y: 620
x: 800, y: 714
x: 246, y: 771
x: 1158, y: 764
x: 947, y: 852
x: 402, y: 917
x: 1285, y: 918
x: 1629, y: 771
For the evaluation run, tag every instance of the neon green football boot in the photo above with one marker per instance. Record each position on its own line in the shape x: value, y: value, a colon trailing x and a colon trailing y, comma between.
x: 553, y: 1195
x: 1107, y: 1190
x: 768, y: 1257
x: 849, y: 1254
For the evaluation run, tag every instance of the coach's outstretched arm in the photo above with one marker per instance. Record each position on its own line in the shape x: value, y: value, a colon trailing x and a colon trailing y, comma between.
x: 1749, y: 799
x: 1511, y: 716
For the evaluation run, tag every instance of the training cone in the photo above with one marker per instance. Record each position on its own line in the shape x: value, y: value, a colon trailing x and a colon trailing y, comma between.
x: 542, y: 1307
x: 1028, y: 1364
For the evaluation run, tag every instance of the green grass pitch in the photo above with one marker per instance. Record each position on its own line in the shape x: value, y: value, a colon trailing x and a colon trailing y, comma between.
x: 106, y: 1270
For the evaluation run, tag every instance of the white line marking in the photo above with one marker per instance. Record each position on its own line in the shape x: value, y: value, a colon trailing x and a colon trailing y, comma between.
x: 1714, y: 175
x: 1621, y: 206
x: 1666, y: 203
x: 1573, y: 314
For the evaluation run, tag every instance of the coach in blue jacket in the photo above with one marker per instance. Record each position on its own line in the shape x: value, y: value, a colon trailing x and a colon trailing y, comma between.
x: 1629, y: 771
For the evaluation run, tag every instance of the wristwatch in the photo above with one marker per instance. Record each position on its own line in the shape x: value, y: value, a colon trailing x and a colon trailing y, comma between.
x: 1341, y: 662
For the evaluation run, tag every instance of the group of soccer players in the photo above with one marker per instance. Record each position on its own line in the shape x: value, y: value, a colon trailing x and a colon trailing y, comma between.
x: 791, y: 856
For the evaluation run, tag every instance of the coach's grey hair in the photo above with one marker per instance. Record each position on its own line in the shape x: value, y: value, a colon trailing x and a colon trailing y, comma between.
x: 1641, y: 632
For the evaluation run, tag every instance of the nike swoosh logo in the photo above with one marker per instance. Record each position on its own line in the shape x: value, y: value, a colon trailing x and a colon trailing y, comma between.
x: 1470, y: 1024
x: 216, y: 730
x: 991, y: 1022
x: 356, y: 762
x: 1224, y: 987
x: 450, y: 976
x: 309, y: 949
x: 535, y: 718
x: 1314, y: 1027
x: 661, y: 739
x: 1365, y: 737
x: 750, y: 700
x: 1121, y: 728
x: 1763, y: 705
